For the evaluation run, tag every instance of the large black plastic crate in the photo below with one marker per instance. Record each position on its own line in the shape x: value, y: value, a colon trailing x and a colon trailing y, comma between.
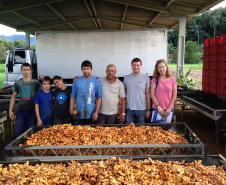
x: 194, y: 147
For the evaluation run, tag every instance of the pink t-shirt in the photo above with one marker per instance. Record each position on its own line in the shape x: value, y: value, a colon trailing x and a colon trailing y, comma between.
x: 164, y: 92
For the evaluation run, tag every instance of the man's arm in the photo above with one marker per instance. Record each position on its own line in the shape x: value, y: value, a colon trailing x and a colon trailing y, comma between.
x: 98, y: 104
x: 148, y: 113
x: 72, y: 102
x: 54, y: 101
x: 39, y: 121
x: 12, y: 102
x: 123, y: 107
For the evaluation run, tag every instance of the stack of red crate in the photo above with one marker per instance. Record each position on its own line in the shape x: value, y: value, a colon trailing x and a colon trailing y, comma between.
x: 213, y: 63
x: 205, y: 72
x: 221, y: 71
x: 214, y: 66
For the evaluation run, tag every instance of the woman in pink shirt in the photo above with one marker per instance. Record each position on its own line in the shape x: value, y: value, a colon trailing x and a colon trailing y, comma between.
x: 164, y: 96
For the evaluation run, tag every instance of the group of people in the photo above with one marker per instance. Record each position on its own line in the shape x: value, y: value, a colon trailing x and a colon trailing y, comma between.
x: 92, y: 100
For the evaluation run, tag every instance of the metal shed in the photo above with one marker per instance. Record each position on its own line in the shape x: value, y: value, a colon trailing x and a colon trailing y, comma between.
x: 67, y: 15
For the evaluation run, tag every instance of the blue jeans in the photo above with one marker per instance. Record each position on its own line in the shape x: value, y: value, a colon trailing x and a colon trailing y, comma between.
x: 135, y: 116
x: 47, y: 121
x: 24, y: 121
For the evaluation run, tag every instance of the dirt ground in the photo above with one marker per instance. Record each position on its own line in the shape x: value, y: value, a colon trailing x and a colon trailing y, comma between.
x: 195, y: 75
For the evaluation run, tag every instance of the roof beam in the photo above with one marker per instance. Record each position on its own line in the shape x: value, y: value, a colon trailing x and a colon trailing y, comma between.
x: 50, y: 24
x: 149, y: 6
x: 23, y: 5
x: 209, y: 5
x: 95, y: 12
x: 26, y: 17
x: 124, y: 15
x: 154, y: 18
x: 158, y: 13
x: 90, y: 13
x: 169, y: 2
x: 59, y: 14
x: 133, y: 23
x: 206, y: 7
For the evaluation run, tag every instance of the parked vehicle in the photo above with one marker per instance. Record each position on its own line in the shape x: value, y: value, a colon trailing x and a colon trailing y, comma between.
x: 61, y: 53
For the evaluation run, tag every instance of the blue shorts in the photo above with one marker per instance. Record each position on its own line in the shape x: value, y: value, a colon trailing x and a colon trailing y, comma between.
x: 24, y: 121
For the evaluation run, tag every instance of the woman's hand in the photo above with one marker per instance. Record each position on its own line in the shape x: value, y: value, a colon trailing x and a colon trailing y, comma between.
x: 167, y: 112
x: 161, y: 111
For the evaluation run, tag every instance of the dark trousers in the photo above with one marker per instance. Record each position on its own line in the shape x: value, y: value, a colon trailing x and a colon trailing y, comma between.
x: 106, y: 119
x: 24, y: 121
x: 62, y: 119
x: 83, y: 122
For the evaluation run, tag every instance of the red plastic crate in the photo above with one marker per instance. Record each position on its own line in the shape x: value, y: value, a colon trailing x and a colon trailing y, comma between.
x: 221, y: 81
x: 221, y: 56
x: 221, y: 73
x: 205, y: 71
x: 212, y: 88
x: 206, y: 58
x: 221, y: 90
x: 205, y: 87
x: 224, y: 44
x: 212, y: 80
x: 212, y: 72
x: 213, y: 64
x: 220, y: 42
x: 206, y: 43
x: 205, y: 78
x: 222, y: 64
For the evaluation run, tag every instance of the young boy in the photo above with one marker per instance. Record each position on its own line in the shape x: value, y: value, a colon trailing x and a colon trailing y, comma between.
x: 43, y: 103
x: 62, y: 97
x: 27, y: 89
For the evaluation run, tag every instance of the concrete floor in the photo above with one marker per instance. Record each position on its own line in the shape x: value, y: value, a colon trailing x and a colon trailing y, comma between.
x: 199, y: 123
x: 203, y: 127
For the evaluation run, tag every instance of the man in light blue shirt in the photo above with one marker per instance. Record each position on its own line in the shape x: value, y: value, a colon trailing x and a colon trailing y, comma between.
x: 84, y: 90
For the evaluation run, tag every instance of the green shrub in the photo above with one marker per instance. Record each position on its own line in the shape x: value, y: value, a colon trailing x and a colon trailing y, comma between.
x: 2, y: 61
x: 185, y: 80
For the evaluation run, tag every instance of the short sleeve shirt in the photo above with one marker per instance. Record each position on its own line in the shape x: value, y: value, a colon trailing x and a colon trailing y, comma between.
x: 136, y: 91
x: 110, y: 96
x: 44, y: 100
x: 27, y: 92
x: 164, y: 92
x: 85, y: 91
x: 62, y: 102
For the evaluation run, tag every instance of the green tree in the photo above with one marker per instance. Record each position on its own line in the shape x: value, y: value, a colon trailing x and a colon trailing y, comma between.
x: 193, y: 53
x: 18, y: 42
x: 33, y: 47
x: 214, y: 21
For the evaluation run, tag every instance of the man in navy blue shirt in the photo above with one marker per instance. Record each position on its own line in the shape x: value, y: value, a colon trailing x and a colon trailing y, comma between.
x: 84, y: 90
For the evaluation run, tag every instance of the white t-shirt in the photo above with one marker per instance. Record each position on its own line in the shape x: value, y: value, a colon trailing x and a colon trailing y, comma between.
x: 110, y: 96
x: 136, y: 91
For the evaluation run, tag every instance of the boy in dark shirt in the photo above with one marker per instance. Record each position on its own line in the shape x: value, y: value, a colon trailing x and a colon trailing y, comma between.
x: 27, y: 89
x: 43, y: 103
x: 62, y: 97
